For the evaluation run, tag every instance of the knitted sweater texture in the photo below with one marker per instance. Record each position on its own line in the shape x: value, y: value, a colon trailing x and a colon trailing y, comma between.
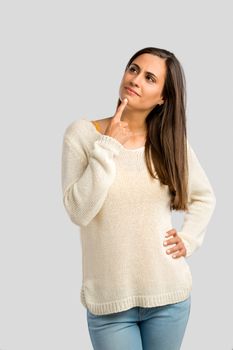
x: 123, y: 215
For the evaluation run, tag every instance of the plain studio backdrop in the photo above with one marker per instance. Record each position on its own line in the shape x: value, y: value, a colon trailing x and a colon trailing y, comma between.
x: 61, y: 61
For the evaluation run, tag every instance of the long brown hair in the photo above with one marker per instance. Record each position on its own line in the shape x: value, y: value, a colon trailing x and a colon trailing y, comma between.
x: 166, y: 141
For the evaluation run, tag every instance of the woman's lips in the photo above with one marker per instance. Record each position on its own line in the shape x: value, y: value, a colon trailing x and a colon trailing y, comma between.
x: 131, y: 92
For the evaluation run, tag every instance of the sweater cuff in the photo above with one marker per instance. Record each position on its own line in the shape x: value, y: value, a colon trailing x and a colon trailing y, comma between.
x: 110, y: 143
x: 189, y: 250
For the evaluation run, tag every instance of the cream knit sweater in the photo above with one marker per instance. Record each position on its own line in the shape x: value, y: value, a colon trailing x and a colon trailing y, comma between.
x: 123, y: 215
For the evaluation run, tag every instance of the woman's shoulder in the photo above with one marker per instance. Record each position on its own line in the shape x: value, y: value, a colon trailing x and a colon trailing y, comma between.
x: 77, y: 127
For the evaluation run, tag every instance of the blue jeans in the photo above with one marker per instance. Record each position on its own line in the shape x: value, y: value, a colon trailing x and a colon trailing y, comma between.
x: 138, y: 328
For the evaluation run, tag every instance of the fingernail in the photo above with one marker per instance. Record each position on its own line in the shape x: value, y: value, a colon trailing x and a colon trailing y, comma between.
x: 165, y: 243
x: 168, y: 251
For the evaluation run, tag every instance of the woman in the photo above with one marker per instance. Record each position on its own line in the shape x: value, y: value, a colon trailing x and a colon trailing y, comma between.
x: 122, y: 176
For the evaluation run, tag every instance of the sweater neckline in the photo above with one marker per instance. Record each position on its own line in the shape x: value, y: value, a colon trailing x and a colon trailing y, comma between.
x: 125, y: 149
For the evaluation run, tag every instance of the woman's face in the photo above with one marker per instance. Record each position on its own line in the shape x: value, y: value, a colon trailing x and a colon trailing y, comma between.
x: 146, y: 76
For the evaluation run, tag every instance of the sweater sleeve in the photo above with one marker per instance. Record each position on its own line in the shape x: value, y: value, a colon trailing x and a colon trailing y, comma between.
x: 86, y: 180
x: 201, y: 204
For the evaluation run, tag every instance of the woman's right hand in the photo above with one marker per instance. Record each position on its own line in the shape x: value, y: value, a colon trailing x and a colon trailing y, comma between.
x: 118, y: 128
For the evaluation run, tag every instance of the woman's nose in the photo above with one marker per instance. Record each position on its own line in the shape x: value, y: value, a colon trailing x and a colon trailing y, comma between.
x: 136, y: 80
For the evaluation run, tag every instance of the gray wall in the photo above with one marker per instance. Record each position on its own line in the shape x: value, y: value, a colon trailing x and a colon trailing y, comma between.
x: 61, y: 61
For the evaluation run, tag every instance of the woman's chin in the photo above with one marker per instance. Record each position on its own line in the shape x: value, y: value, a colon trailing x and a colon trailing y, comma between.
x: 125, y: 96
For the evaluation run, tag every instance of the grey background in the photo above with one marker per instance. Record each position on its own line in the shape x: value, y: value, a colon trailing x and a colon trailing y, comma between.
x: 61, y: 61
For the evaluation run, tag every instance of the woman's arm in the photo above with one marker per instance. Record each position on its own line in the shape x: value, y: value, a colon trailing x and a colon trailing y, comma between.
x: 85, y: 182
x: 201, y: 204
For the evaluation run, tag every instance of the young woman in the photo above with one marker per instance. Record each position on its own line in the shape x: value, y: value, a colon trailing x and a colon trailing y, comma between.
x: 121, y: 177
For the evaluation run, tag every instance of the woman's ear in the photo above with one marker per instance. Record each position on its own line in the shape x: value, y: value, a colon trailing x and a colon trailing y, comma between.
x: 161, y: 103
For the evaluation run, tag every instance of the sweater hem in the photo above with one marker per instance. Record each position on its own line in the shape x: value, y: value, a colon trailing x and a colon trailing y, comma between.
x: 135, y: 300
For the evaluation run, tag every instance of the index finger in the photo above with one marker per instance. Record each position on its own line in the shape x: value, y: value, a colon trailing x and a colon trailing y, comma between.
x: 120, y: 110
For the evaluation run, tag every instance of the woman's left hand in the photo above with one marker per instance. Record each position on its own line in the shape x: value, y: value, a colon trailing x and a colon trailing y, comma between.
x: 179, y: 249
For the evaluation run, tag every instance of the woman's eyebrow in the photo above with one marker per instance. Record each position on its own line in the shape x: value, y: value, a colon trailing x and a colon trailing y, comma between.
x: 146, y: 72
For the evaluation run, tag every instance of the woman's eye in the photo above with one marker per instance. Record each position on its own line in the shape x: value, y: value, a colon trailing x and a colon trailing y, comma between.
x: 132, y: 69
x: 150, y: 78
